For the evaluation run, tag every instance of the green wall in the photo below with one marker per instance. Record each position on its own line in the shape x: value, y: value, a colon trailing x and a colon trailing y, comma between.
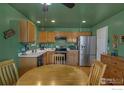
x: 115, y: 26
x: 9, y: 18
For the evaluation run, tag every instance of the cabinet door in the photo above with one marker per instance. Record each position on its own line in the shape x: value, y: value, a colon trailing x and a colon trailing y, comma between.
x: 69, y: 56
x: 27, y: 64
x: 49, y: 57
x: 84, y: 33
x: 23, y: 31
x: 76, y: 57
x: 45, y: 58
x: 31, y: 32
x: 72, y: 58
x: 51, y: 36
x: 69, y: 37
x: 27, y: 31
x: 43, y: 37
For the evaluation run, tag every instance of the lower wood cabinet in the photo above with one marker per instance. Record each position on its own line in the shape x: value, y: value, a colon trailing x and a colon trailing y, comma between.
x: 44, y: 58
x: 28, y: 63
x: 49, y: 57
x: 72, y: 57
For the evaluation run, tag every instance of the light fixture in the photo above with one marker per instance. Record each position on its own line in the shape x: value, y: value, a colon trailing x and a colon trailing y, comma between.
x: 38, y: 22
x: 53, y: 21
x: 48, y: 3
x: 83, y: 21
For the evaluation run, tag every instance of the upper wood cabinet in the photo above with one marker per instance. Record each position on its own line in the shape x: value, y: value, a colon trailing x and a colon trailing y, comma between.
x: 84, y: 34
x: 42, y: 37
x: 72, y: 36
x: 27, y: 31
x: 51, y: 37
x: 45, y: 37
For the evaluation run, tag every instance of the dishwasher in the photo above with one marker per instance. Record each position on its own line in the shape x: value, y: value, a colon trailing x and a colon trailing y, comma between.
x: 40, y: 60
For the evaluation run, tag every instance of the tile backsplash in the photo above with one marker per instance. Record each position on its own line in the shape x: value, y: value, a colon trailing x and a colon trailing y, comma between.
x: 59, y: 43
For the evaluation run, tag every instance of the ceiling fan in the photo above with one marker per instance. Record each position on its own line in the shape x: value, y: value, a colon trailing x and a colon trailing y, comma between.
x: 69, y: 5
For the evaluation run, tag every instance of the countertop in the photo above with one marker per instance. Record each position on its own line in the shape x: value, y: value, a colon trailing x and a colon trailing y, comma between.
x: 38, y: 53
x: 30, y: 54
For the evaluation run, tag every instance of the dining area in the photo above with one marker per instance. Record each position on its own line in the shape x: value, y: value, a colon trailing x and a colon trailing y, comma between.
x: 52, y: 74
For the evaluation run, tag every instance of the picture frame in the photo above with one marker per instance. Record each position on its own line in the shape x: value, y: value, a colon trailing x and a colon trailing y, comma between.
x: 121, y: 39
x: 9, y: 33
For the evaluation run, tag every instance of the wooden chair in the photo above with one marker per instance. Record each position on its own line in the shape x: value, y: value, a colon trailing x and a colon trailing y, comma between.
x: 96, y: 73
x: 8, y: 73
x: 58, y: 59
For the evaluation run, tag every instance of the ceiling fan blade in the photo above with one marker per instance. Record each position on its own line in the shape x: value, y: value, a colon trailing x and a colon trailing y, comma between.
x: 69, y: 5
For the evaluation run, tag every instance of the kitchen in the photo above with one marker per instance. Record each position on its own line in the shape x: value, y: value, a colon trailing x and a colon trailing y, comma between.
x: 39, y: 31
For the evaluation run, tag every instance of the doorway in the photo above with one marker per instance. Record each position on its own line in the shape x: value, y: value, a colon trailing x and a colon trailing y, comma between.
x: 102, y: 41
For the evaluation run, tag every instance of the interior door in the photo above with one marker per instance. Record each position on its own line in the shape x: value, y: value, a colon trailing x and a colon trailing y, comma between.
x: 102, y: 41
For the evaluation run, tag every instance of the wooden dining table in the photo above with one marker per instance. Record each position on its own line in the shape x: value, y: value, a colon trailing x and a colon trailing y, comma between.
x: 55, y: 74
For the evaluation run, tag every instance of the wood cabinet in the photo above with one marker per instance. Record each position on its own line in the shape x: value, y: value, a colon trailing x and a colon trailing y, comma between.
x: 49, y: 57
x: 72, y: 36
x: 72, y: 57
x: 27, y: 63
x: 115, y: 66
x: 31, y: 32
x: 27, y: 31
x: 51, y: 37
x: 45, y: 37
x: 84, y: 33
x: 42, y: 37
x: 45, y: 58
x: 57, y: 34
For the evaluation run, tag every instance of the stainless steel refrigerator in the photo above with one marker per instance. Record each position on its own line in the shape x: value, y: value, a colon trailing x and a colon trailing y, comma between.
x: 87, y: 50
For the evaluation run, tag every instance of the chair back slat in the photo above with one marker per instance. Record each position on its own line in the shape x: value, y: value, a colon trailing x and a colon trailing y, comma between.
x: 6, y: 78
x: 15, y: 72
x: 8, y: 72
x: 12, y: 74
x: 58, y: 59
x: 3, y: 82
x: 9, y: 75
x: 96, y: 73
